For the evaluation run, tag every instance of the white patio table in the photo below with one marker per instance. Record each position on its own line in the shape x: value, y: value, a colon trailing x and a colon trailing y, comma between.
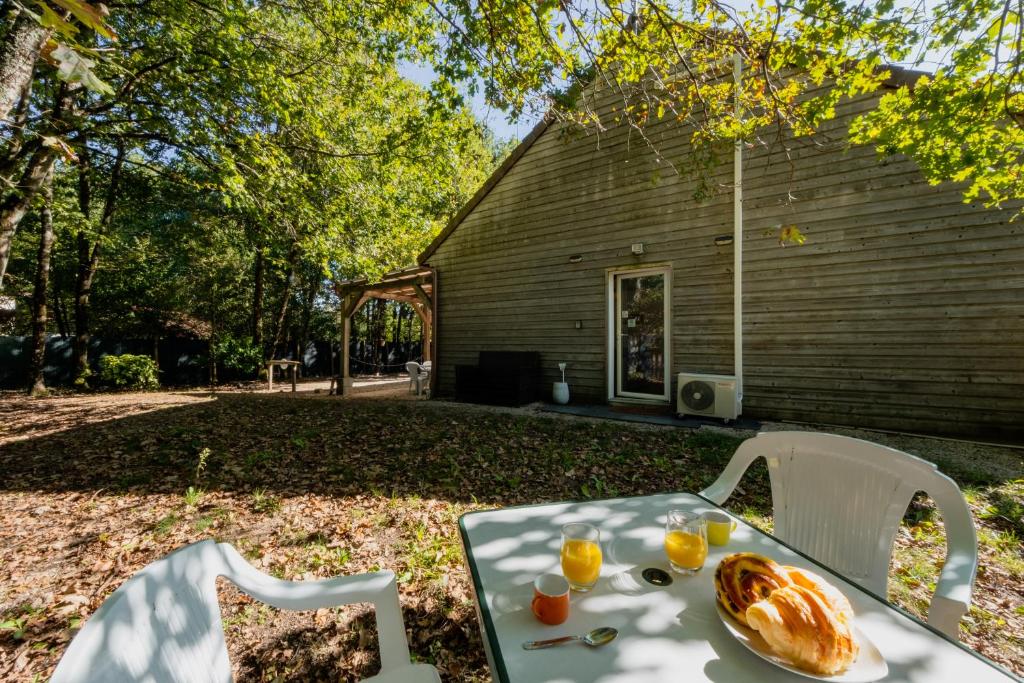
x: 666, y: 634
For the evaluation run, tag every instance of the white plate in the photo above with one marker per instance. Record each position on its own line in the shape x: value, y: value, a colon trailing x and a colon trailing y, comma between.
x: 869, y: 665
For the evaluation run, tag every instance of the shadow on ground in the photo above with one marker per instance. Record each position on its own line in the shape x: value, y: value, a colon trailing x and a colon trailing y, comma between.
x: 243, y: 442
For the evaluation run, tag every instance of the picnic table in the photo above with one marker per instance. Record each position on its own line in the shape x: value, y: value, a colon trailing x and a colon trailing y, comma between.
x: 669, y: 633
x: 292, y: 365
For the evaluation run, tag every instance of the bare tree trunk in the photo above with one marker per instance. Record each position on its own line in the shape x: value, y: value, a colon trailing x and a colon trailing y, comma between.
x: 211, y: 365
x: 377, y: 334
x: 38, y: 166
x: 282, y: 315
x: 37, y: 385
x: 399, y: 314
x: 17, y: 203
x: 18, y: 60
x: 307, y: 314
x: 89, y: 255
x: 16, y: 149
x: 60, y: 314
x: 257, y: 300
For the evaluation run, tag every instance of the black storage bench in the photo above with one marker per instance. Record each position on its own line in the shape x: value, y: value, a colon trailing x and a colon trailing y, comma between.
x: 500, y: 378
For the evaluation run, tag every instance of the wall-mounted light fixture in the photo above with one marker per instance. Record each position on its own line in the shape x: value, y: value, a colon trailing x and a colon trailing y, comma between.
x: 637, y: 248
x: 723, y: 240
x: 579, y: 324
x: 575, y: 258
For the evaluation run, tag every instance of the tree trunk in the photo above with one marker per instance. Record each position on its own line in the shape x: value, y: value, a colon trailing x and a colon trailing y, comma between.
x: 307, y: 313
x: 16, y: 149
x: 17, y: 203
x: 60, y: 314
x: 211, y: 365
x: 399, y: 314
x: 381, y: 310
x: 37, y: 385
x: 89, y: 256
x: 18, y: 60
x: 257, y: 300
x: 282, y: 316
x: 37, y: 167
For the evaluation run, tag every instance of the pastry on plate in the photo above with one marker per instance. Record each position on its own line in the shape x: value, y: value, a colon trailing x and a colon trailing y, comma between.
x: 743, y: 579
x: 800, y: 625
x: 824, y: 590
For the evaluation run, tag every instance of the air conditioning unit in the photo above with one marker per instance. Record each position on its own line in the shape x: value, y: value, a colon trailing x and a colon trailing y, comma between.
x: 710, y: 395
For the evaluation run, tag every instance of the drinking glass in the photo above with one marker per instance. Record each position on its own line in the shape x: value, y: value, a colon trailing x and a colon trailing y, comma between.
x: 686, y: 541
x: 581, y: 555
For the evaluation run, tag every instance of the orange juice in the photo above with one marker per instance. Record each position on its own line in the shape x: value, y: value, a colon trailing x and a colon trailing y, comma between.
x: 685, y: 549
x: 581, y: 562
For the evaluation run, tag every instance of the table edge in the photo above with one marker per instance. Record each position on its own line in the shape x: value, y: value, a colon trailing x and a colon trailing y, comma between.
x: 485, y: 613
x: 492, y: 637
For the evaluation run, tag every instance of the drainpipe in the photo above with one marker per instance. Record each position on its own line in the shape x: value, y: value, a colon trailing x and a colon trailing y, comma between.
x: 737, y: 241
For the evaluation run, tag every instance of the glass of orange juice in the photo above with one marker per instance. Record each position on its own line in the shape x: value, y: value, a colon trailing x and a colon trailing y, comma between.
x: 686, y: 541
x: 581, y: 555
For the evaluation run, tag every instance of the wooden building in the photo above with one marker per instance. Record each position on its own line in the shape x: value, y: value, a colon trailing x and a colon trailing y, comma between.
x: 903, y: 310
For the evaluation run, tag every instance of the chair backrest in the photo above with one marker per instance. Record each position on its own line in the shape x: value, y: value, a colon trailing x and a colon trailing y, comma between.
x: 163, y: 625
x: 413, y: 368
x: 840, y: 500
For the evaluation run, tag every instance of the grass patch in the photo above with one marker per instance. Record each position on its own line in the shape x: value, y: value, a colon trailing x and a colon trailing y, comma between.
x: 264, y: 502
x: 258, y: 459
x: 165, y: 525
x: 193, y: 494
x: 428, y: 556
x: 213, y: 519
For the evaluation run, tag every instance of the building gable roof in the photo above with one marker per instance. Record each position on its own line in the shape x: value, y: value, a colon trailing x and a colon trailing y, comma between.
x: 898, y: 77
x: 493, y: 180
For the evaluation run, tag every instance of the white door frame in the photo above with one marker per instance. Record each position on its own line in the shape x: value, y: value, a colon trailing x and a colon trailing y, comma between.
x: 615, y: 323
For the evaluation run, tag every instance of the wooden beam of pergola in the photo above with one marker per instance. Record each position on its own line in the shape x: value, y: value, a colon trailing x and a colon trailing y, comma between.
x: 413, y: 286
x: 422, y: 296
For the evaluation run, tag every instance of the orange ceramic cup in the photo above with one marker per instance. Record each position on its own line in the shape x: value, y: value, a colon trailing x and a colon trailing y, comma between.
x: 550, y: 599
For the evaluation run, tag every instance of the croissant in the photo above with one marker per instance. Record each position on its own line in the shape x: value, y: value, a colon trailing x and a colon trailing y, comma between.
x: 836, y: 601
x: 799, y: 625
x: 743, y: 579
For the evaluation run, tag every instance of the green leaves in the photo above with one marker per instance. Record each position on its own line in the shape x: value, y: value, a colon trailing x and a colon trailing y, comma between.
x: 91, y: 17
x: 72, y: 67
x: 656, y: 60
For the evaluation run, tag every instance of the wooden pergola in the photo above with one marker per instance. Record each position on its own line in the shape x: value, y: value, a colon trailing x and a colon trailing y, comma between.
x: 414, y: 286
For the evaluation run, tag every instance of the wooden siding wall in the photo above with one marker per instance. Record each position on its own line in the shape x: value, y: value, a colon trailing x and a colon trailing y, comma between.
x: 904, y: 310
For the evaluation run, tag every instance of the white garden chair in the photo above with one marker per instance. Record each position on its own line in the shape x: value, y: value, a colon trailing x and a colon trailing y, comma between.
x: 840, y: 500
x: 419, y: 376
x: 164, y: 623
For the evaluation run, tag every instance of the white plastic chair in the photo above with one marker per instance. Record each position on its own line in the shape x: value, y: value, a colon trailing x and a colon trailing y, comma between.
x: 419, y: 375
x: 840, y: 500
x: 164, y: 623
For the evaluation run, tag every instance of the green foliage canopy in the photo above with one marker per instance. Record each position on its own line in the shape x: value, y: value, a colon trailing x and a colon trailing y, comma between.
x: 670, y: 60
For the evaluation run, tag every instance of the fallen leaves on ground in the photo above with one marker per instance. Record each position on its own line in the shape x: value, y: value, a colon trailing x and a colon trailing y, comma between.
x: 97, y: 487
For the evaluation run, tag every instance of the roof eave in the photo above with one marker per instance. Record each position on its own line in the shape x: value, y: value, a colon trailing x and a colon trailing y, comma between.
x: 485, y: 189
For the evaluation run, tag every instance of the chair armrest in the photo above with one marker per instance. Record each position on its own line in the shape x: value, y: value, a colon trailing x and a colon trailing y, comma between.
x: 378, y: 588
x: 953, y: 592
x: 722, y: 488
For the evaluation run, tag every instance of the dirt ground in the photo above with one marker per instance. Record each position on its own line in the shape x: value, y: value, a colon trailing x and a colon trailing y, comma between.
x: 307, y: 485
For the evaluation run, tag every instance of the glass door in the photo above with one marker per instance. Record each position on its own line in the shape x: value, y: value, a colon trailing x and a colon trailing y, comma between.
x: 640, y: 354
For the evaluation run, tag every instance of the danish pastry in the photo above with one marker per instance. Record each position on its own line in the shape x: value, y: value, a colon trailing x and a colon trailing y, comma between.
x: 743, y: 579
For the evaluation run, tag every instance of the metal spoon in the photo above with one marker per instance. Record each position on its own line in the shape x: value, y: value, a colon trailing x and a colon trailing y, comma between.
x: 596, y: 638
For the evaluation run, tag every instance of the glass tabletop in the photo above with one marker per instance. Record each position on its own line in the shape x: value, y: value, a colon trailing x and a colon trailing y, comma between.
x: 668, y: 633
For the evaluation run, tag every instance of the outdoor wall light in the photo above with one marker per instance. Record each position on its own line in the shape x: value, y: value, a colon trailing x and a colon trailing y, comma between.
x: 575, y: 258
x: 637, y: 248
x: 723, y: 240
